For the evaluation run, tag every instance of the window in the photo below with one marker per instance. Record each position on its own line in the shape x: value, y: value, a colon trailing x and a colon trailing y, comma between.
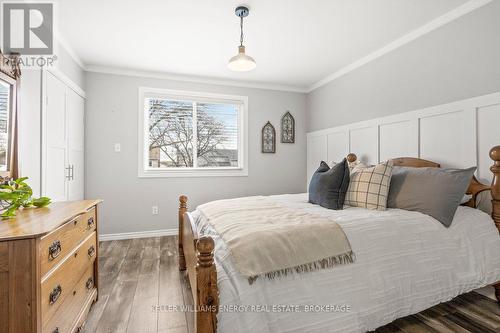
x: 191, y: 134
x: 7, y: 125
x: 4, y: 124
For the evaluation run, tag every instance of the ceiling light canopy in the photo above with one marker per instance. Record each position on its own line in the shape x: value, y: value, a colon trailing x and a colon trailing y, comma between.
x: 241, y: 62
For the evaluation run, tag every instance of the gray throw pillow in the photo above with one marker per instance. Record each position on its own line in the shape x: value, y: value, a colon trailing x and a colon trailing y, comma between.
x: 432, y: 191
x: 329, y: 186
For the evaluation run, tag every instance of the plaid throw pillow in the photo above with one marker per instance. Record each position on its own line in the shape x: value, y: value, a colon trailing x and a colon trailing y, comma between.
x: 369, y: 187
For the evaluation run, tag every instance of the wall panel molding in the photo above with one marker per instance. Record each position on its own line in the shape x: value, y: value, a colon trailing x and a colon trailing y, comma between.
x: 458, y: 134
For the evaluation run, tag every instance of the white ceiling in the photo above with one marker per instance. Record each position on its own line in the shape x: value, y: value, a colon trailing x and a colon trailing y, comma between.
x: 295, y: 43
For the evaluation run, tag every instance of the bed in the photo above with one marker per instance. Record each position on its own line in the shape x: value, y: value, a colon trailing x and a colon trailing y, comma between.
x: 405, y: 263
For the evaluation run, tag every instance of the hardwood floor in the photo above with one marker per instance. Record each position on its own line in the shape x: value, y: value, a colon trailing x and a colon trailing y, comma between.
x: 140, y: 274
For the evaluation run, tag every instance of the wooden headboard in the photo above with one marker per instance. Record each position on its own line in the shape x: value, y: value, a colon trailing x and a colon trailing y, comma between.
x: 475, y: 187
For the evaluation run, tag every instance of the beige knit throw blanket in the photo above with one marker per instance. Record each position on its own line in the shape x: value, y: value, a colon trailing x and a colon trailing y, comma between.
x: 265, y: 238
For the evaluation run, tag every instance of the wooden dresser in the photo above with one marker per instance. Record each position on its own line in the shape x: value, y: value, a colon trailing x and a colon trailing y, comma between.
x: 48, y: 268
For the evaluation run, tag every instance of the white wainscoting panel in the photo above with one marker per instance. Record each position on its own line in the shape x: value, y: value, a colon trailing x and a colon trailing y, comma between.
x: 364, y: 143
x: 440, y: 138
x: 488, y: 121
x: 316, y: 152
x: 398, y: 139
x: 337, y: 146
x: 458, y: 134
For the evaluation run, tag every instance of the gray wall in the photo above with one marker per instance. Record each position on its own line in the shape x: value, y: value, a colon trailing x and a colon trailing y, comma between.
x: 458, y: 61
x: 111, y: 117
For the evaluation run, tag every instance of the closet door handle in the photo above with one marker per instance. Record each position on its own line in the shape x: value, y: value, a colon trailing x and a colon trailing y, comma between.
x: 68, y: 177
x: 72, y: 172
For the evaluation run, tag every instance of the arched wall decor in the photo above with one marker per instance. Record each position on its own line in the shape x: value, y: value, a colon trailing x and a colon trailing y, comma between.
x: 268, y: 138
x: 287, y: 128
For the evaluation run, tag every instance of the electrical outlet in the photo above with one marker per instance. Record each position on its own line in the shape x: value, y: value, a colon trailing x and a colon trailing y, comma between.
x: 118, y: 148
x: 154, y: 210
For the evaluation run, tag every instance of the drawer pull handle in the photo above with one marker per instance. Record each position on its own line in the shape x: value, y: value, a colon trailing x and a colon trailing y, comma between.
x: 54, y: 295
x: 90, y: 283
x: 90, y: 222
x: 91, y: 251
x: 54, y: 250
x: 56, y: 330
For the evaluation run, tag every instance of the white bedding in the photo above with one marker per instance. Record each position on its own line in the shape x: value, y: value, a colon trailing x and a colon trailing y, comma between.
x: 405, y: 262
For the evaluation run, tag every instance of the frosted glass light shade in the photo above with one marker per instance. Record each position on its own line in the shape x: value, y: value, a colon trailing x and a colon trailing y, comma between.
x: 241, y: 62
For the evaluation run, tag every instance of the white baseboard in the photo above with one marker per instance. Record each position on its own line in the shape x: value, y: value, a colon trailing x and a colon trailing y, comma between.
x: 139, y: 234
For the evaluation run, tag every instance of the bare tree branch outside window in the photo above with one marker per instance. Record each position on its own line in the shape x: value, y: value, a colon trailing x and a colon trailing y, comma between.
x: 171, y: 137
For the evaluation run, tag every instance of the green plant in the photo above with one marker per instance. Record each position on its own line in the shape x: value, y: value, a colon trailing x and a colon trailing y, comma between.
x: 15, y: 194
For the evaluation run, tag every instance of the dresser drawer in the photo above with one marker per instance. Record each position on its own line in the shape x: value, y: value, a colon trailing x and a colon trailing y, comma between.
x: 60, y: 284
x: 70, y: 312
x: 55, y: 246
x: 80, y: 323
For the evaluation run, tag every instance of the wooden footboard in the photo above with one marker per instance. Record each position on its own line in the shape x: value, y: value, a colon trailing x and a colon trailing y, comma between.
x: 196, y: 255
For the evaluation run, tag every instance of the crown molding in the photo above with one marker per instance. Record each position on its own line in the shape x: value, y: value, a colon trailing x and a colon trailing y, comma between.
x: 442, y: 20
x: 193, y: 79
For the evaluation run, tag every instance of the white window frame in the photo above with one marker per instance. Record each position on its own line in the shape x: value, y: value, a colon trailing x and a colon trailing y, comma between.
x: 144, y: 171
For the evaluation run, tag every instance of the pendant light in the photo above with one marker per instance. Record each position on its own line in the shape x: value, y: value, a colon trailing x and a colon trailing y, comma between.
x: 241, y: 62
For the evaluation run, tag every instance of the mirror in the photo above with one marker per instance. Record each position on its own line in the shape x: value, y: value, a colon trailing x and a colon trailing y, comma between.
x: 7, y: 126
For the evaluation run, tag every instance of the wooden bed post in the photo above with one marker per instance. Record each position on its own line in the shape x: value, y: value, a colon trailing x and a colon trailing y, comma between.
x: 351, y: 158
x: 495, y: 185
x: 495, y: 195
x: 182, y: 210
x: 207, y: 302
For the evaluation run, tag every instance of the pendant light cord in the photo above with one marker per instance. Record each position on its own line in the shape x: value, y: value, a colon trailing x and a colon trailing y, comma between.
x: 241, y: 29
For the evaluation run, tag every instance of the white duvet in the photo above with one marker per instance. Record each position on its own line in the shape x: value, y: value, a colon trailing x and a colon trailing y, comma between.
x: 405, y: 262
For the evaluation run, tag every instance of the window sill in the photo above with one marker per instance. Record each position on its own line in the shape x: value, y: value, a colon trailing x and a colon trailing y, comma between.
x: 188, y: 173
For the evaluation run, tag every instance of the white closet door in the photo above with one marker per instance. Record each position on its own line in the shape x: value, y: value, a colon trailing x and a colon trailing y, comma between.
x: 55, y: 169
x: 75, y: 114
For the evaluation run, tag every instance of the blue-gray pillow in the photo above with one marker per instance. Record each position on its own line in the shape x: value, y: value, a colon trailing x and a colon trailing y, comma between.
x: 329, y: 186
x: 432, y: 191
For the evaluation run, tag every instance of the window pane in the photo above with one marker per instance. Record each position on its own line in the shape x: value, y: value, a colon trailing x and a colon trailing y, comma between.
x: 4, y: 124
x: 217, y: 135
x: 170, y: 133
